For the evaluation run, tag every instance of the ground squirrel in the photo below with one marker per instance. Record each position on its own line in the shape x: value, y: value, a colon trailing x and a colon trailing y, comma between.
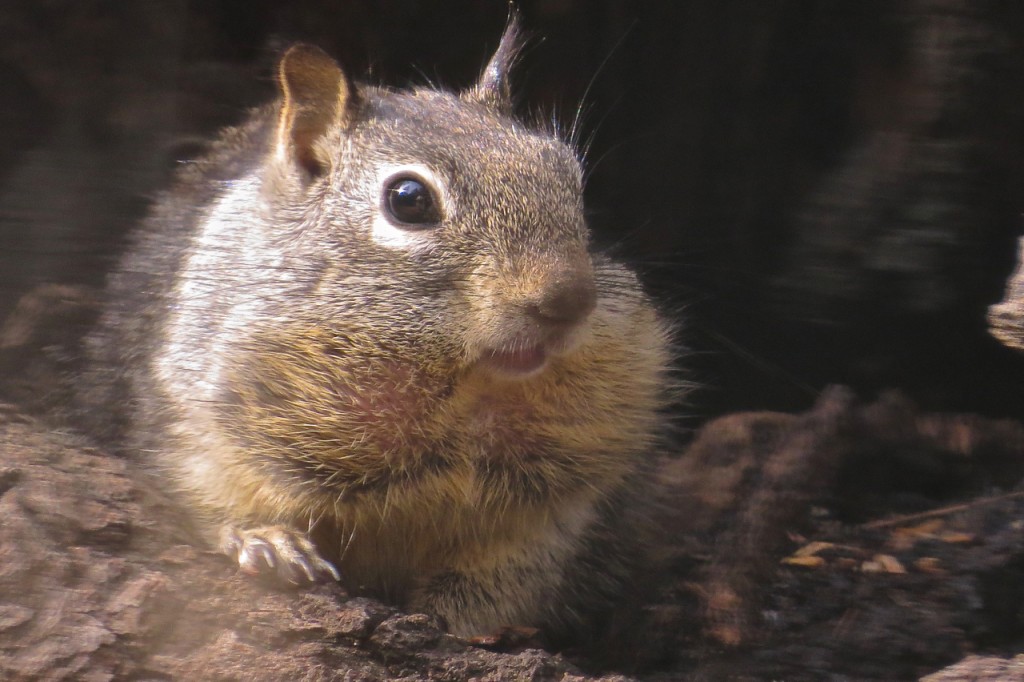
x: 366, y: 338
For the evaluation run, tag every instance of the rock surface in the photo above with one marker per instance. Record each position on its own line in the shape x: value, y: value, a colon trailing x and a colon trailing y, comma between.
x: 1006, y: 318
x: 867, y: 541
x: 96, y: 582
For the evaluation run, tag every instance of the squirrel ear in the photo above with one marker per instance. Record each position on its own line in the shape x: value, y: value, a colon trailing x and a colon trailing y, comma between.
x: 316, y: 95
x: 493, y: 88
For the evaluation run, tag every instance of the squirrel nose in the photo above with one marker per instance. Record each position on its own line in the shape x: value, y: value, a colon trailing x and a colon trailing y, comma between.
x: 568, y: 299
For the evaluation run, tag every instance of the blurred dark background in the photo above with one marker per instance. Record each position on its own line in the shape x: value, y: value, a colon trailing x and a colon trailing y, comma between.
x: 823, y: 192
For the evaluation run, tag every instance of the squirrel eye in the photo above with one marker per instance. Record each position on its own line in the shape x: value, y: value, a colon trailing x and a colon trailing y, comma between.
x: 409, y: 201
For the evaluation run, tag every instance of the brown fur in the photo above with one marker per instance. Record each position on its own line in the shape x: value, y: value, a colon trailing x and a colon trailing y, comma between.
x: 297, y: 366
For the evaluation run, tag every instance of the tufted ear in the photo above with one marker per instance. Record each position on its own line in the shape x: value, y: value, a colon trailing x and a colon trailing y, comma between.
x: 493, y: 88
x: 316, y: 95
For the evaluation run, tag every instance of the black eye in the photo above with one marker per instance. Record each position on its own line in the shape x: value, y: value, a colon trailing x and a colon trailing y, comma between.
x: 409, y: 201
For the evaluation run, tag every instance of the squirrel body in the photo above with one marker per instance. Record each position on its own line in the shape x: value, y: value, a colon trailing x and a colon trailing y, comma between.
x: 366, y: 333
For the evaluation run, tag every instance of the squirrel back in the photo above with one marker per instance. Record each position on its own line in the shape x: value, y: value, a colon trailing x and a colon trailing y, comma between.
x: 367, y: 332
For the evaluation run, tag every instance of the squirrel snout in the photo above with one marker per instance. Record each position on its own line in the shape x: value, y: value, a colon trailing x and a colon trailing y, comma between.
x: 565, y: 300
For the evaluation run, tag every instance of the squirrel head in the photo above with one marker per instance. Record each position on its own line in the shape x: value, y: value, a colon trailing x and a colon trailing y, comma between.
x: 436, y: 214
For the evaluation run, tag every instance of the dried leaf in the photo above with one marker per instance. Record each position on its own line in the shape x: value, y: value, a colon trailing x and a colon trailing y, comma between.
x: 883, y: 563
x: 812, y: 549
x: 804, y: 561
x: 923, y: 530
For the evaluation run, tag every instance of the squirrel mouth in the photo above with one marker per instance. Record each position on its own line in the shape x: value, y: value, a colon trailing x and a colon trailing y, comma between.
x: 518, y: 362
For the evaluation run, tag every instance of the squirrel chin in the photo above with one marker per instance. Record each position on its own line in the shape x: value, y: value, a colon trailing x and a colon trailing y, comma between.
x: 516, y: 364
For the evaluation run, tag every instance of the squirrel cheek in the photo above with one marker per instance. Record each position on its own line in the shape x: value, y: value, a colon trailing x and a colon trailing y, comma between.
x: 390, y: 411
x: 383, y: 233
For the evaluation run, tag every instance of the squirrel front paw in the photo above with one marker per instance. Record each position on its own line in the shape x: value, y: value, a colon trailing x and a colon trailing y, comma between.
x: 277, y: 552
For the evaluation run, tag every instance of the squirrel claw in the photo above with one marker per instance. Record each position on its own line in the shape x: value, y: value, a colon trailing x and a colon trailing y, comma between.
x: 277, y: 552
